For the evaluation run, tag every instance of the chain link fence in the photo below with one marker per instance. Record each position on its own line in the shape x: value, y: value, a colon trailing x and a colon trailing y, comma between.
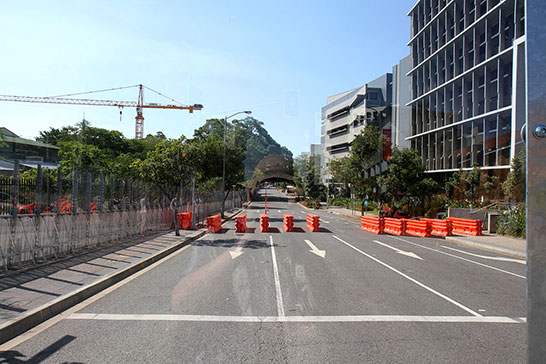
x: 49, y: 216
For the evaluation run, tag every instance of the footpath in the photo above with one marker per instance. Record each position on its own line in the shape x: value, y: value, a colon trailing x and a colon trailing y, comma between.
x: 491, y: 242
x: 30, y: 297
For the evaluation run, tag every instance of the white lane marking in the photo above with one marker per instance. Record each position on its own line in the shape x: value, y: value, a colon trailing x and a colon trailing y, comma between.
x: 411, y: 279
x: 280, y: 305
x: 324, y: 221
x: 502, y: 259
x: 238, y: 250
x: 458, y: 257
x: 297, y: 319
x: 279, y: 211
x: 303, y: 212
x: 409, y: 254
x: 315, y: 250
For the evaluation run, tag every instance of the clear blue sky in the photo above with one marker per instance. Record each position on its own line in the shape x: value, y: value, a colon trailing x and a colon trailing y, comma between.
x: 281, y: 59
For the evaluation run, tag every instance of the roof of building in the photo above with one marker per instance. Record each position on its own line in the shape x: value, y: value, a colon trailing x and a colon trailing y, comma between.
x: 11, y: 137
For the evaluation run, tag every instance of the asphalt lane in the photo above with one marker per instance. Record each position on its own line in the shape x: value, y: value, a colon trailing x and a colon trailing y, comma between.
x: 273, y: 298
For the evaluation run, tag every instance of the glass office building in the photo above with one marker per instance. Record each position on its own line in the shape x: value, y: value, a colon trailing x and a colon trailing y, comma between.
x: 467, y: 82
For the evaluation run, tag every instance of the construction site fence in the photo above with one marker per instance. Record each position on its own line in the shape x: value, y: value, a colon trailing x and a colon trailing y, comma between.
x: 48, y: 216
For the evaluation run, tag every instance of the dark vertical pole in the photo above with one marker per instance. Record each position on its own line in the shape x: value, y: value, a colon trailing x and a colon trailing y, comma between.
x: 15, y: 190
x: 37, y: 211
x: 75, y: 193
x: 112, y: 189
x: 101, y: 193
x: 536, y: 180
x: 59, y: 190
x: 38, y: 192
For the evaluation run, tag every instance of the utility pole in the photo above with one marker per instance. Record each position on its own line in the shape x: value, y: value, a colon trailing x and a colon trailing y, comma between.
x: 536, y: 179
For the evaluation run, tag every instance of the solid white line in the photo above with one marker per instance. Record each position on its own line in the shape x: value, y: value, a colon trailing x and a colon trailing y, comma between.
x: 325, y: 221
x: 501, y: 259
x: 413, y: 280
x: 458, y: 257
x: 297, y: 319
x: 280, y: 306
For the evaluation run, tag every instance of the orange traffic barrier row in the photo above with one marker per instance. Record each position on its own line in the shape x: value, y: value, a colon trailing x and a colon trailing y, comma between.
x: 184, y: 220
x: 394, y: 226
x: 439, y: 227
x: 466, y: 226
x: 372, y: 224
x: 214, y: 223
x: 313, y: 223
x: 288, y: 221
x: 417, y: 228
x: 264, y: 223
x: 240, y: 223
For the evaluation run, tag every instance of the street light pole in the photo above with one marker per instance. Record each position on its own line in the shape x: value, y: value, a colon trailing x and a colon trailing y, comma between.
x: 224, y: 159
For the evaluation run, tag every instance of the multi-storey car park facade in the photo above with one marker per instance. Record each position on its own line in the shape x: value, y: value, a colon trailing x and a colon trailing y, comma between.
x: 467, y: 83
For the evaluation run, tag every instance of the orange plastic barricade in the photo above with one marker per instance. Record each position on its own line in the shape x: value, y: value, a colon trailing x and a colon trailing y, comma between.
x: 372, y: 224
x: 264, y: 223
x: 240, y: 223
x: 439, y: 227
x: 394, y: 226
x: 288, y: 221
x: 214, y: 223
x: 184, y: 220
x: 418, y: 228
x: 466, y: 226
x: 313, y: 222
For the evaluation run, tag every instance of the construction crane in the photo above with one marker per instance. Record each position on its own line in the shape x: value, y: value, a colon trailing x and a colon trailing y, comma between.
x: 139, y: 105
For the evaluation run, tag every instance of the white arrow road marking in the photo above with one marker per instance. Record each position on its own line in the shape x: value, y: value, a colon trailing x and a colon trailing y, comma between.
x: 315, y: 250
x: 409, y: 254
x: 238, y: 250
x: 503, y: 259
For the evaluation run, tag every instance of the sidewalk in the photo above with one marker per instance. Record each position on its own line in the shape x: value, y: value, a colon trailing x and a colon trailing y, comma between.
x: 33, y: 296
x: 490, y: 242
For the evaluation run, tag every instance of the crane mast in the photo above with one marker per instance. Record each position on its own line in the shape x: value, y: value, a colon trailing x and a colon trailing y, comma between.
x: 139, y: 105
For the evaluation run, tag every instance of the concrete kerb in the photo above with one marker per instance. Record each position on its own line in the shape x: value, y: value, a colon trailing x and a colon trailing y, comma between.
x: 489, y: 247
x: 34, y: 317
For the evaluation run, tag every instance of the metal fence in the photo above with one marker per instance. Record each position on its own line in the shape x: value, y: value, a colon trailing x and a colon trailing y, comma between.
x: 49, y: 216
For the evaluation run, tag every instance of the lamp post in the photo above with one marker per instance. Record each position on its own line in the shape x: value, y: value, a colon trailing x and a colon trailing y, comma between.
x: 224, y: 159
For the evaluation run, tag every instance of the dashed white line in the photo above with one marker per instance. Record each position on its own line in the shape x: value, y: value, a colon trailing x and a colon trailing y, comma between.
x: 280, y: 305
x: 460, y: 305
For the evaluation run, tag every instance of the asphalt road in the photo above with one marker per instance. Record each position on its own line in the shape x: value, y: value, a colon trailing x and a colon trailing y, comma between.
x: 340, y: 295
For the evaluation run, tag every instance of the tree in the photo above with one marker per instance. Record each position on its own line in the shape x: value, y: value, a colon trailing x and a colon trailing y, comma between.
x: 406, y: 177
x: 515, y: 185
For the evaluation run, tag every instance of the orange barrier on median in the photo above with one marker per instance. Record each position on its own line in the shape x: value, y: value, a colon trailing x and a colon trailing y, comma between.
x: 417, y: 228
x: 214, y: 223
x: 240, y: 223
x: 394, y: 226
x: 372, y: 224
x: 264, y: 223
x: 288, y: 221
x: 184, y: 220
x: 466, y: 226
x: 439, y: 227
x: 313, y: 222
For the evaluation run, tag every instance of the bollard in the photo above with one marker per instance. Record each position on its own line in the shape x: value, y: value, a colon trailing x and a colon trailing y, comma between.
x: 264, y: 223
x: 313, y: 222
x: 288, y: 221
x: 240, y: 223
